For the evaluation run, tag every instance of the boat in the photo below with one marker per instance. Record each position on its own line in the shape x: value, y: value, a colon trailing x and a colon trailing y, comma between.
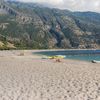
x: 61, y: 56
x: 55, y: 57
x: 95, y: 61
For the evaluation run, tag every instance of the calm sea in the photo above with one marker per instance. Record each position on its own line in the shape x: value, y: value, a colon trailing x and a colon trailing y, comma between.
x: 86, y: 55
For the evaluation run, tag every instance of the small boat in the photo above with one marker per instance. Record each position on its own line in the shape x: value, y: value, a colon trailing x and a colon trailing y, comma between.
x: 61, y: 56
x: 95, y: 61
x: 55, y: 57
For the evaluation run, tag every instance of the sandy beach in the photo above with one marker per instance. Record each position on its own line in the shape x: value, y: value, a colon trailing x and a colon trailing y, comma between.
x: 30, y: 77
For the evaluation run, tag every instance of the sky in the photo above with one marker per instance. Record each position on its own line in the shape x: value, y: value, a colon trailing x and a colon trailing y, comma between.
x: 73, y: 5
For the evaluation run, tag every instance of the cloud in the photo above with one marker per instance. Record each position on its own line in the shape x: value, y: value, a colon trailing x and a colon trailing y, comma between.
x: 74, y: 5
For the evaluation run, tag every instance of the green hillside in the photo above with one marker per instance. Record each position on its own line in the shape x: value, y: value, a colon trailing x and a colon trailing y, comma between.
x: 32, y: 26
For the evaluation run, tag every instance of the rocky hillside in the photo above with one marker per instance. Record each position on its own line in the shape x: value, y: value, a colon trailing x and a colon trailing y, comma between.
x: 28, y: 25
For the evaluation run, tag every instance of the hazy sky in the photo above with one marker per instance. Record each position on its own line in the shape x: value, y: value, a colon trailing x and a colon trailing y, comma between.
x: 74, y: 5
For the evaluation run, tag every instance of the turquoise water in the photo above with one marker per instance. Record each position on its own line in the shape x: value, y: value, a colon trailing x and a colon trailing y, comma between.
x: 86, y: 55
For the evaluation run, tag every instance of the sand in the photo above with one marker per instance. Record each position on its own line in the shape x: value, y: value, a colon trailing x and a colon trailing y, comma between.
x: 30, y: 77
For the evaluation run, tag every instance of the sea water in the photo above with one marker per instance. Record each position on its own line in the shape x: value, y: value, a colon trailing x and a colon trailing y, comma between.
x: 86, y: 55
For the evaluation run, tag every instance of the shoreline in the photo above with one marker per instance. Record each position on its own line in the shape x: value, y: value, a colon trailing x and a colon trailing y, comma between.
x: 32, y: 53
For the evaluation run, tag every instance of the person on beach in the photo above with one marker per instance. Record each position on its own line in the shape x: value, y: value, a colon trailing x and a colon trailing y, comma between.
x: 58, y: 60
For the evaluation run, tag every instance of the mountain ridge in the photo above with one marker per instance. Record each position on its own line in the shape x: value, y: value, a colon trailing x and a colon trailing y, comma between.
x: 41, y: 27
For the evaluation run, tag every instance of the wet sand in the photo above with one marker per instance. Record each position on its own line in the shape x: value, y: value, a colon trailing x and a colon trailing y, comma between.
x: 30, y: 77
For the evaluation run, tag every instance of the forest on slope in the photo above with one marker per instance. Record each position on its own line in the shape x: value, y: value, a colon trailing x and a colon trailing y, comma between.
x: 33, y: 26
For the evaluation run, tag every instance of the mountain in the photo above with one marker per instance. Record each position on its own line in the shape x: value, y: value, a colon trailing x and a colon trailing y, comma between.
x: 30, y: 25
